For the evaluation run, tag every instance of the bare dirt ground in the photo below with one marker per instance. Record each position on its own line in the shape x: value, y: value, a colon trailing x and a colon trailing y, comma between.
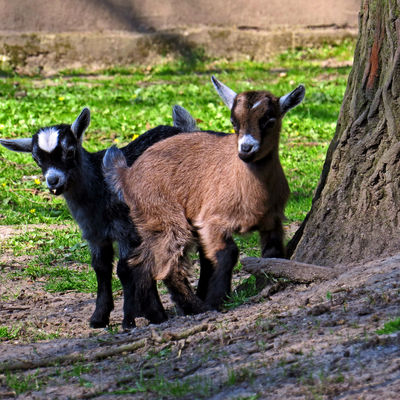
x: 315, y: 341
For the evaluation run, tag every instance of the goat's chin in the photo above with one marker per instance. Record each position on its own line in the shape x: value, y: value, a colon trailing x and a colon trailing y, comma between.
x: 247, y: 158
x: 57, y: 192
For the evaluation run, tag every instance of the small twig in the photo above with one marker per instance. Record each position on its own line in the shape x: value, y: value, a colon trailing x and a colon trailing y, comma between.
x: 168, y: 336
x: 8, y: 395
x: 189, y: 371
x: 15, y: 308
x: 118, y: 350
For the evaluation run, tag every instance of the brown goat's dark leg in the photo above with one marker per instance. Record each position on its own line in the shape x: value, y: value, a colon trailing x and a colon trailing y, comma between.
x: 147, y: 300
x: 182, y: 294
x: 102, y: 258
x: 220, y: 283
x: 206, y: 271
x: 272, y: 242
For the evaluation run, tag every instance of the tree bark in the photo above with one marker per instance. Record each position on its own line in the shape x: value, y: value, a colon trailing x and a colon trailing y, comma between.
x: 355, y: 210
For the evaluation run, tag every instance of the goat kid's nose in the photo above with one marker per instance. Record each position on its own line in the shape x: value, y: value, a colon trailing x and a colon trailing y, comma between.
x: 246, y: 148
x: 248, y: 144
x: 53, y: 180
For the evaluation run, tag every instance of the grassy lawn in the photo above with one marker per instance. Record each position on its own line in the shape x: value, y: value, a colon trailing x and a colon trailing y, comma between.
x: 126, y: 101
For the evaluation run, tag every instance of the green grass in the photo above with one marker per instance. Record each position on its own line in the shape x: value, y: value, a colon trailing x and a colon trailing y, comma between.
x: 21, y: 383
x: 8, y: 333
x: 237, y: 376
x: 239, y: 297
x: 125, y: 101
x: 164, y: 388
x: 58, y: 256
x: 390, y: 327
x: 25, y: 330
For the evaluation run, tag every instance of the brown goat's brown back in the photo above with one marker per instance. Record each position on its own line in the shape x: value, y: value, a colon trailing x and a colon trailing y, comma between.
x: 198, y: 189
x: 198, y: 179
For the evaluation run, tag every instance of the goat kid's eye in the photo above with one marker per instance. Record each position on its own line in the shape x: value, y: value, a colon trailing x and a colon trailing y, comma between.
x: 269, y: 124
x: 70, y: 154
x: 234, y: 124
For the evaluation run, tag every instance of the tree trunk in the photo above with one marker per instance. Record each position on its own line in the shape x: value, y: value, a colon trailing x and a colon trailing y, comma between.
x: 355, y: 210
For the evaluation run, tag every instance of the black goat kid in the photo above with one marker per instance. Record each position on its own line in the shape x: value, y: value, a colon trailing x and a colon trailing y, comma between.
x: 75, y: 173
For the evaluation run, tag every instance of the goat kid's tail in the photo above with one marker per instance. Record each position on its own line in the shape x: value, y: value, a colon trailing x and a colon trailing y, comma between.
x: 183, y: 119
x: 114, y: 163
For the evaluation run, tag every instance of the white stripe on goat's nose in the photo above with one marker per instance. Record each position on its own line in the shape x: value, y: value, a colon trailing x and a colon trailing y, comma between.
x: 247, y: 144
x: 48, y: 139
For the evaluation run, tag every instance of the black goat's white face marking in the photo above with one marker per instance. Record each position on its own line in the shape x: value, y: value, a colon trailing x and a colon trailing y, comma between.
x: 48, y: 139
x: 57, y: 152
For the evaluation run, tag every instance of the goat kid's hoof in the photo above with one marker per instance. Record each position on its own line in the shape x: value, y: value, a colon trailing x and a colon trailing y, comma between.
x: 99, y: 323
x: 157, y: 319
x: 127, y: 325
x: 196, y: 308
x: 214, y: 305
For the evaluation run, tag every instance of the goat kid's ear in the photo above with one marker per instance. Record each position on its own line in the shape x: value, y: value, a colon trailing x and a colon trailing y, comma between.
x: 292, y: 99
x: 20, y: 145
x: 81, y: 123
x: 183, y: 119
x: 226, y: 94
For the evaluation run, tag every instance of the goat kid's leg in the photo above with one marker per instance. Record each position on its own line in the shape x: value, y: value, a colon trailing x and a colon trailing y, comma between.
x: 147, y: 300
x: 164, y: 255
x: 206, y: 271
x: 125, y: 275
x: 220, y: 282
x: 272, y: 242
x: 102, y: 259
x: 182, y: 293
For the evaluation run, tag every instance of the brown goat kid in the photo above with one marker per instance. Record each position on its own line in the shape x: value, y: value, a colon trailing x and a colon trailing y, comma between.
x: 200, y: 189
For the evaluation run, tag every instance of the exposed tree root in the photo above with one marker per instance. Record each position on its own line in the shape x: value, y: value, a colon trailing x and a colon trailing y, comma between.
x: 296, y: 272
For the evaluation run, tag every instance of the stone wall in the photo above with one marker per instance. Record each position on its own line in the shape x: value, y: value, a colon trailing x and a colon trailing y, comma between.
x: 148, y: 15
x: 42, y: 36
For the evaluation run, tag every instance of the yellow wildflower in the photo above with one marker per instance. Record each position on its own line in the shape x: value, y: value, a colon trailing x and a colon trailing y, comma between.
x: 1, y: 126
x: 37, y: 181
x: 61, y: 98
x: 32, y: 211
x: 135, y: 136
x: 116, y: 140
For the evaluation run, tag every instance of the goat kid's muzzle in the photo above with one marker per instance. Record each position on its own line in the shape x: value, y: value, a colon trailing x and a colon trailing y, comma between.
x: 248, y: 146
x: 55, y: 181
